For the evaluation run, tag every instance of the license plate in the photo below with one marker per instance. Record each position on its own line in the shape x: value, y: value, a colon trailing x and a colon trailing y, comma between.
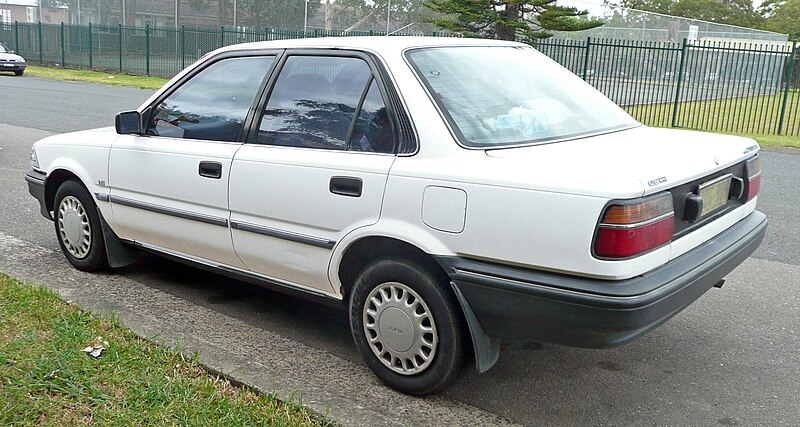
x: 714, y: 193
x: 8, y: 65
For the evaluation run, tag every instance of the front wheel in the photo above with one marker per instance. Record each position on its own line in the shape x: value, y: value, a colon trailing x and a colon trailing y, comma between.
x: 78, y: 227
x: 18, y: 73
x: 408, y: 326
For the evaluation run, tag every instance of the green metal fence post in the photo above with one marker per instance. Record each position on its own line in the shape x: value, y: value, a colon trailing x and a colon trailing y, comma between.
x: 680, y: 82
x: 16, y: 36
x: 63, y: 53
x: 586, y: 57
x: 91, y: 62
x: 147, y: 47
x: 120, y: 47
x: 183, y: 46
x: 222, y: 36
x: 41, y: 45
x: 789, y: 74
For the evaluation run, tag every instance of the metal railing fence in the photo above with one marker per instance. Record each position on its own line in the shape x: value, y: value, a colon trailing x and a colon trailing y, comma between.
x: 714, y: 86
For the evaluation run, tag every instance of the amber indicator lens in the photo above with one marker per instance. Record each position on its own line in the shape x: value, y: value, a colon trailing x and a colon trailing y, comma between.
x: 641, y: 212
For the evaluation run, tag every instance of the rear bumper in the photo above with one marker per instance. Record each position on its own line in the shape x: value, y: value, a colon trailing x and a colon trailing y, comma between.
x: 35, y: 180
x: 520, y: 304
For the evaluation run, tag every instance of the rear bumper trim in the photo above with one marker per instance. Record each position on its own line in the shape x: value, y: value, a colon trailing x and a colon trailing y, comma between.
x: 514, y: 303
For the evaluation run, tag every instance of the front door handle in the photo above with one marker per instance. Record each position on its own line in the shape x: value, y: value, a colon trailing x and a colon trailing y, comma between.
x: 346, y: 186
x: 210, y: 170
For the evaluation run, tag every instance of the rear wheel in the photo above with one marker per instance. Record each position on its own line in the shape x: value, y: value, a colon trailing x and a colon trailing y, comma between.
x: 78, y: 227
x: 408, y: 326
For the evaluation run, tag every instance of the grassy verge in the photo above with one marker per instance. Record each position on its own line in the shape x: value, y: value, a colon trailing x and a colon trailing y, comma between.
x: 140, y: 82
x: 755, y: 117
x: 46, y: 378
x: 775, y: 140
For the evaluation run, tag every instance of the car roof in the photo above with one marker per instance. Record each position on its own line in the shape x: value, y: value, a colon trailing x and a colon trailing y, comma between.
x: 382, y: 44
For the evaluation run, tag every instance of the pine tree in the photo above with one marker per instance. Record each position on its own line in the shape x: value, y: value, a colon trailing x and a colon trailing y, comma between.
x: 524, y: 20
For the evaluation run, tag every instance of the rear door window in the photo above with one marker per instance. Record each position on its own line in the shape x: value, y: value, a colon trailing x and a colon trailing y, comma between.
x: 328, y: 103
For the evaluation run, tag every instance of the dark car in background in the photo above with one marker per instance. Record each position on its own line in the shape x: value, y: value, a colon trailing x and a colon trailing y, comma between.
x: 9, y: 61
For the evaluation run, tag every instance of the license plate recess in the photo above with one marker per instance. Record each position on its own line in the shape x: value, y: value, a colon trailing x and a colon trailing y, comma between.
x: 715, y: 193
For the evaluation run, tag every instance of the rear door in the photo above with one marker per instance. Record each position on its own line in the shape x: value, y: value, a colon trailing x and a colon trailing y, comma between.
x: 169, y: 188
x: 314, y: 169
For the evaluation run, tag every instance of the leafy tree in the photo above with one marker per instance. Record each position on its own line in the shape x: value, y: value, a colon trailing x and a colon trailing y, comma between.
x: 783, y: 16
x: 732, y: 12
x: 526, y: 20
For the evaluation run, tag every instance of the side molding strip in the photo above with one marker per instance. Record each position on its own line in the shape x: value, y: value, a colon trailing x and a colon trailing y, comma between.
x: 213, y: 220
x: 285, y: 235
x: 246, y: 276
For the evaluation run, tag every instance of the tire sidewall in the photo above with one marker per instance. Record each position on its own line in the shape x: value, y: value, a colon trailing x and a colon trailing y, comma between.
x: 96, y: 258
x: 448, y: 361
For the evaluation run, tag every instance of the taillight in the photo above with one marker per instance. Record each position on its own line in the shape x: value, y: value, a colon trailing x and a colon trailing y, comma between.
x: 753, y: 177
x: 630, y: 228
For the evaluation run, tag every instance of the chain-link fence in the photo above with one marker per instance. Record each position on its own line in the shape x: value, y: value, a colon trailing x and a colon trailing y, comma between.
x: 707, y: 85
x: 637, y: 25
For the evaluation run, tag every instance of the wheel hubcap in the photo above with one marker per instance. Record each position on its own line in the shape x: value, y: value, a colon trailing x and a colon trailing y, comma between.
x: 400, y: 328
x: 73, y: 227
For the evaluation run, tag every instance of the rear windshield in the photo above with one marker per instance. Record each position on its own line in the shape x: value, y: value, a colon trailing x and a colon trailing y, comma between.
x: 507, y: 96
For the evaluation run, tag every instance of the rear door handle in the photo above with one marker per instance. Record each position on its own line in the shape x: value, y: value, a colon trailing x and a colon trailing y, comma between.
x: 210, y: 170
x: 346, y: 186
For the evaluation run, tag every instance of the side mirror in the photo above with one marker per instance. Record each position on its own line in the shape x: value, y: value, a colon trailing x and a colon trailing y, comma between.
x: 128, y: 123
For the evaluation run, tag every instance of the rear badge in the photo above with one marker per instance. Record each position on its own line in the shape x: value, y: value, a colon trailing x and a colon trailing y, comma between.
x: 657, y: 181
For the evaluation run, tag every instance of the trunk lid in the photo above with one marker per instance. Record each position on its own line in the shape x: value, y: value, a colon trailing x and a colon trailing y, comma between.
x: 656, y: 159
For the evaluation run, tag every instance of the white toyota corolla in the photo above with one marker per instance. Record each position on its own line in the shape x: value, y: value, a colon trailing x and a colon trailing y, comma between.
x: 448, y: 193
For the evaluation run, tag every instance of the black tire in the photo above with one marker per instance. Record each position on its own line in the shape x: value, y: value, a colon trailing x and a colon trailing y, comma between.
x: 446, y: 358
x: 19, y: 73
x: 86, y: 251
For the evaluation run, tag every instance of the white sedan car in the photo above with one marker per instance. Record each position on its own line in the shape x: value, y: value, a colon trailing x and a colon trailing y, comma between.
x: 448, y: 193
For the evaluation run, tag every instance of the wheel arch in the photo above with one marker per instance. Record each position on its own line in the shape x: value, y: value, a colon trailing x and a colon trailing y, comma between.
x: 360, y: 252
x: 54, y: 180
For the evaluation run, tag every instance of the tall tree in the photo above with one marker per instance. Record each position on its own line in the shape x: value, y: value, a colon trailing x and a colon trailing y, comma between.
x: 782, y: 16
x: 732, y: 12
x: 525, y: 20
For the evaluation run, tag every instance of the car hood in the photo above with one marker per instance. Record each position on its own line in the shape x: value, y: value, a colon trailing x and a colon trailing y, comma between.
x: 11, y: 56
x: 101, y: 137
x: 626, y: 164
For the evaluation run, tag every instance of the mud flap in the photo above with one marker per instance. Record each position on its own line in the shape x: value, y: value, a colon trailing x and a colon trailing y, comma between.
x: 119, y: 255
x: 487, y: 349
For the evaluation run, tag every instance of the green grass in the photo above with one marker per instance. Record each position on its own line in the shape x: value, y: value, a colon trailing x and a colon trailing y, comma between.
x: 756, y: 117
x: 775, y: 140
x: 140, y: 82
x: 46, y: 378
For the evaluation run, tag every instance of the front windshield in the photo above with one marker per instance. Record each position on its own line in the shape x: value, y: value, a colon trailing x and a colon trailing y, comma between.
x: 3, y: 48
x: 501, y: 96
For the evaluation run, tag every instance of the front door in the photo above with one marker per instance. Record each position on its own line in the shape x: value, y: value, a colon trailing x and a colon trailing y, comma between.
x: 169, y: 188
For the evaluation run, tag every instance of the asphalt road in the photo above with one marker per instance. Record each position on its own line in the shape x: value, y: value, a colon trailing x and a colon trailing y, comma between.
x: 732, y: 358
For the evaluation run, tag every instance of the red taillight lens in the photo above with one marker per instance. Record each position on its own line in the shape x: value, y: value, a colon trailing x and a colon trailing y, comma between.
x: 632, y: 228
x: 753, y: 177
